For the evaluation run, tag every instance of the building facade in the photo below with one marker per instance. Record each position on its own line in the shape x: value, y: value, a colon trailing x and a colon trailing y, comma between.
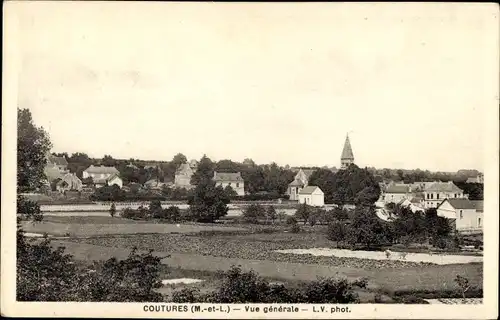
x: 69, y: 182
x: 395, y: 193
x: 300, y: 181
x: 436, y: 192
x: 464, y: 214
x: 233, y: 180
x: 183, y: 176
x: 312, y: 196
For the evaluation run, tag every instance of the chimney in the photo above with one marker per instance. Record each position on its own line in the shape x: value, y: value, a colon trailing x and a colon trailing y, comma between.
x: 215, y: 174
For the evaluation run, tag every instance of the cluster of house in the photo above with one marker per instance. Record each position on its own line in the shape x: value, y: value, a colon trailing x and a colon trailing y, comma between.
x: 57, y: 173
x: 300, y: 190
x: 449, y: 200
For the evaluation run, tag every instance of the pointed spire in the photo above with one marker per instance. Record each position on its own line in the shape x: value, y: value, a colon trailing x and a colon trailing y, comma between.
x: 347, y: 151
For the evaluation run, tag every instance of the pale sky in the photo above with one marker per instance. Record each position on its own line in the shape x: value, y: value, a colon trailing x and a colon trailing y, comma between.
x: 272, y: 82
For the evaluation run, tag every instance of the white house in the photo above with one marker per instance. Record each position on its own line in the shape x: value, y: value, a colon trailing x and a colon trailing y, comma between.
x: 69, y: 182
x: 109, y: 181
x: 183, y: 176
x: 395, y: 193
x: 414, y: 206
x: 100, y: 172
x: 435, y: 193
x: 312, y: 196
x: 300, y: 181
x: 466, y: 215
x: 233, y: 180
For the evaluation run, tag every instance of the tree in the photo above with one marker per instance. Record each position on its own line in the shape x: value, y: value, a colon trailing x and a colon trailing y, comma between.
x: 112, y: 210
x: 33, y: 145
x: 303, y: 212
x: 230, y: 191
x: 271, y: 213
x: 350, y: 186
x: 253, y: 213
x: 108, y: 161
x: 205, y: 171
x: 178, y: 159
x: 208, y: 203
x: 337, y: 231
x: 367, y: 229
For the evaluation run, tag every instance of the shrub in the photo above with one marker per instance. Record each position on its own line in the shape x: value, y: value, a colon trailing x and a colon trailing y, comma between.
x: 271, y: 213
x: 28, y: 209
x: 186, y: 295
x: 330, y: 290
x: 337, y: 231
x: 248, y: 287
x: 253, y: 213
x: 295, y: 228
x: 241, y: 287
x: 463, y: 284
x: 140, y: 214
x: 303, y: 212
x: 112, y: 210
x: 291, y: 220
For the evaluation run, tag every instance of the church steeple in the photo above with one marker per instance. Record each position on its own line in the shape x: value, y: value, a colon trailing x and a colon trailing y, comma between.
x: 347, y: 156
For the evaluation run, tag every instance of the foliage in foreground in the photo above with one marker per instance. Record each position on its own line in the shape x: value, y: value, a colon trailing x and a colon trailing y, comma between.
x: 248, y: 287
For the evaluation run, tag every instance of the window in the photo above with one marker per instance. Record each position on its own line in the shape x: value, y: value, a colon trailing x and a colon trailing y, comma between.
x: 455, y: 195
x: 428, y: 196
x: 237, y: 184
x: 437, y: 196
x: 478, y: 222
x: 461, y: 214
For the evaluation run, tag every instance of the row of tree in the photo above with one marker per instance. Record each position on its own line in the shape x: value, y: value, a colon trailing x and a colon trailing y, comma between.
x: 366, y: 229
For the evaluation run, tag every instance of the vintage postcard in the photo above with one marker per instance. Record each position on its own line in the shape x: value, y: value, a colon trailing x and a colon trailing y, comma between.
x: 250, y: 160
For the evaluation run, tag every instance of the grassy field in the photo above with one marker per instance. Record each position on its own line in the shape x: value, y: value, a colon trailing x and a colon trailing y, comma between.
x: 199, y: 250
x: 102, y: 226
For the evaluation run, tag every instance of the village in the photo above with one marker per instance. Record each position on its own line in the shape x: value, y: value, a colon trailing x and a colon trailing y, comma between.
x: 449, y: 200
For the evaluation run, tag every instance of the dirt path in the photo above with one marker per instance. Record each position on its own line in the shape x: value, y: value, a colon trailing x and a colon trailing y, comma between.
x: 428, y: 278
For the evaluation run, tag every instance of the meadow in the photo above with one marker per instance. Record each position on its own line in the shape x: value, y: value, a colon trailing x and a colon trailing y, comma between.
x: 194, y: 248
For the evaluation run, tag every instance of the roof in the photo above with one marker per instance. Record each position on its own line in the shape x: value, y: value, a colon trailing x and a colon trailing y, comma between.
x: 227, y: 176
x: 104, y: 180
x: 184, y: 168
x: 308, y: 172
x: 296, y: 183
x: 397, y: 188
x: 478, y: 204
x: 416, y: 200
x: 309, y: 190
x: 101, y: 169
x: 60, y: 161
x: 347, y: 151
x: 460, y: 203
x: 52, y: 173
x: 443, y: 187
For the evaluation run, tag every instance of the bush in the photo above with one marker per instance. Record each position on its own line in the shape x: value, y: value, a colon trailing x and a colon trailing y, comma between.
x: 248, y: 287
x: 337, y: 231
x: 303, y: 212
x: 139, y: 214
x: 330, y: 290
x: 295, y: 228
x: 112, y: 210
x: 186, y: 295
x: 28, y: 209
x: 291, y: 220
x: 253, y: 213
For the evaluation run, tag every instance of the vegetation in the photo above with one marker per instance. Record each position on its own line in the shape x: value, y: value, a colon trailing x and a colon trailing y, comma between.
x: 112, y: 210
x: 33, y: 144
x: 248, y: 287
x: 208, y: 202
x: 351, y: 186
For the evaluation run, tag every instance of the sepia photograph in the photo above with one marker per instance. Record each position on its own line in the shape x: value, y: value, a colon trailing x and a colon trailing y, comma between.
x: 250, y: 160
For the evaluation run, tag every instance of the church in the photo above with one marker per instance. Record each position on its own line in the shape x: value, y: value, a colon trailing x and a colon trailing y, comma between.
x: 347, y: 157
